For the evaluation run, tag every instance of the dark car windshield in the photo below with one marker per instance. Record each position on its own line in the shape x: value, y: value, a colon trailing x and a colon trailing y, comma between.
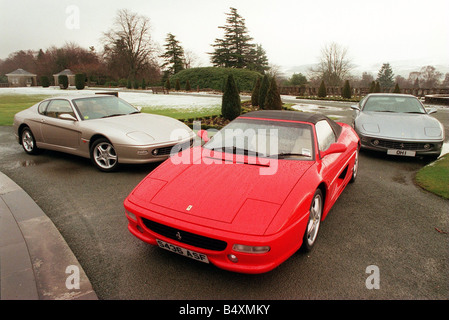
x: 265, y: 138
x: 102, y: 107
x: 395, y: 104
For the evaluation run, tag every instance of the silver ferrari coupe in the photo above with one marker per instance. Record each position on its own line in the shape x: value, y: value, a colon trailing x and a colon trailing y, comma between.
x: 104, y: 128
x: 398, y: 124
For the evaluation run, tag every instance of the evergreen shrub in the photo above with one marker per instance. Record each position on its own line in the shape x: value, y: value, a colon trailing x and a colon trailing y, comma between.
x: 231, y: 106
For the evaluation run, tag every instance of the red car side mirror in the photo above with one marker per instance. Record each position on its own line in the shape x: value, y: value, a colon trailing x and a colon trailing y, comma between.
x: 334, y: 148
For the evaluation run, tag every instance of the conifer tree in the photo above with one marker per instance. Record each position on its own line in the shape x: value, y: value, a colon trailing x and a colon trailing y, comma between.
x: 188, y: 88
x: 346, y: 92
x: 263, y: 91
x: 385, y: 76
x: 255, y: 93
x: 273, y: 99
x: 236, y: 49
x: 167, y: 85
x: 377, y: 88
x: 231, y: 106
x: 173, y: 56
x: 322, y: 93
x: 258, y: 60
x: 177, y: 85
x: 396, y: 88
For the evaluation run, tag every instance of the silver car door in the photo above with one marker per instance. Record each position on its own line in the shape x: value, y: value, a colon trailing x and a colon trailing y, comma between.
x: 60, y: 132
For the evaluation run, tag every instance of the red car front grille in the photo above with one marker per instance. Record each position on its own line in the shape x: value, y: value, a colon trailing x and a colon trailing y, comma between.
x: 185, y: 237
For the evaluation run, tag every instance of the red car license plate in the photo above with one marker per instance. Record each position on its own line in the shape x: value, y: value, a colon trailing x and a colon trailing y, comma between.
x: 182, y: 251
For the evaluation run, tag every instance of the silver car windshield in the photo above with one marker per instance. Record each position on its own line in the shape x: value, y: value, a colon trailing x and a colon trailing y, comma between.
x: 264, y: 138
x: 103, y: 107
x: 393, y: 104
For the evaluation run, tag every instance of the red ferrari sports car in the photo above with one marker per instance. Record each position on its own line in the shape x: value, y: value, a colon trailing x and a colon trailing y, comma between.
x: 252, y: 195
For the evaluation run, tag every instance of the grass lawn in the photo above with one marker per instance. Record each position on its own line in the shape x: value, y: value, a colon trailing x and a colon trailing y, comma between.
x: 10, y: 104
x: 435, y: 177
x: 183, y: 113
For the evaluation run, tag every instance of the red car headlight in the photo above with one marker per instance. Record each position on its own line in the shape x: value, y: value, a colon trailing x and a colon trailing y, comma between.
x: 131, y: 215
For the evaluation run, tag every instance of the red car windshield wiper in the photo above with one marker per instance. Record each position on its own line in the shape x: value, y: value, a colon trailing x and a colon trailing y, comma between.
x: 289, y: 154
x: 236, y: 150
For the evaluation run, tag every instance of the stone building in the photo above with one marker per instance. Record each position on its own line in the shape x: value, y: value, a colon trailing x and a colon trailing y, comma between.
x: 21, y: 78
x: 70, y: 75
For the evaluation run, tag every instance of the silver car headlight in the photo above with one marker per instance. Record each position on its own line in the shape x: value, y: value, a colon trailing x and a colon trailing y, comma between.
x: 371, y: 127
x: 432, y: 132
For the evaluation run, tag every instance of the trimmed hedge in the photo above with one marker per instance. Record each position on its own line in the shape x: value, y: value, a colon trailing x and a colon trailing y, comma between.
x: 45, y: 81
x: 63, y: 81
x: 215, y: 78
x: 80, y: 79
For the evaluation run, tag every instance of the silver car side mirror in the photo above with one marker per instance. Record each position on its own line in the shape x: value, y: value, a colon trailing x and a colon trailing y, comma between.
x: 66, y: 116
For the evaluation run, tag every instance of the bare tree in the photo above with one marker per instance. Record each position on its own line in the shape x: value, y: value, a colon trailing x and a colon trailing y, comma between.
x: 445, y: 83
x: 128, y: 44
x: 413, y: 79
x: 334, y: 65
x: 367, y: 79
x: 191, y: 59
x: 430, y: 77
x: 402, y: 82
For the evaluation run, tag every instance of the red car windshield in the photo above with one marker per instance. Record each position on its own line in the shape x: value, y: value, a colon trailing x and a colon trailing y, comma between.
x: 265, y: 138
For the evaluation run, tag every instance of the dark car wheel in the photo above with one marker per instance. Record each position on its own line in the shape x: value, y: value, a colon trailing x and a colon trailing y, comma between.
x: 355, y: 168
x: 313, y: 225
x: 103, y: 155
x: 28, y: 141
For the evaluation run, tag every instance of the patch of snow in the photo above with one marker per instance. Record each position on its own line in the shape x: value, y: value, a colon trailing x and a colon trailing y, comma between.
x: 445, y: 149
x: 312, y: 107
x: 142, y: 99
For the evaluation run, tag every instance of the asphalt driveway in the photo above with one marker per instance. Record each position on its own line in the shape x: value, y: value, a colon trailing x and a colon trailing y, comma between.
x: 382, y: 220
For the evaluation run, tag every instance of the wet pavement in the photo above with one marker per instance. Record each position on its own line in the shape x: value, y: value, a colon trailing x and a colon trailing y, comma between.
x: 383, y: 219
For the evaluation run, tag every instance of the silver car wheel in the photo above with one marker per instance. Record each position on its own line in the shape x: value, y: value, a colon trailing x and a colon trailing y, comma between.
x: 105, y: 156
x: 27, y: 141
x: 316, y: 210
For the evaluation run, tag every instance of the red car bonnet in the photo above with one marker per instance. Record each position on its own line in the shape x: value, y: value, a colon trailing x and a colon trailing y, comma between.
x: 220, y: 194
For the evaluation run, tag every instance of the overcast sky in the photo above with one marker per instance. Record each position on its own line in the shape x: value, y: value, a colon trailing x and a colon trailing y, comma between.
x: 292, y: 32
